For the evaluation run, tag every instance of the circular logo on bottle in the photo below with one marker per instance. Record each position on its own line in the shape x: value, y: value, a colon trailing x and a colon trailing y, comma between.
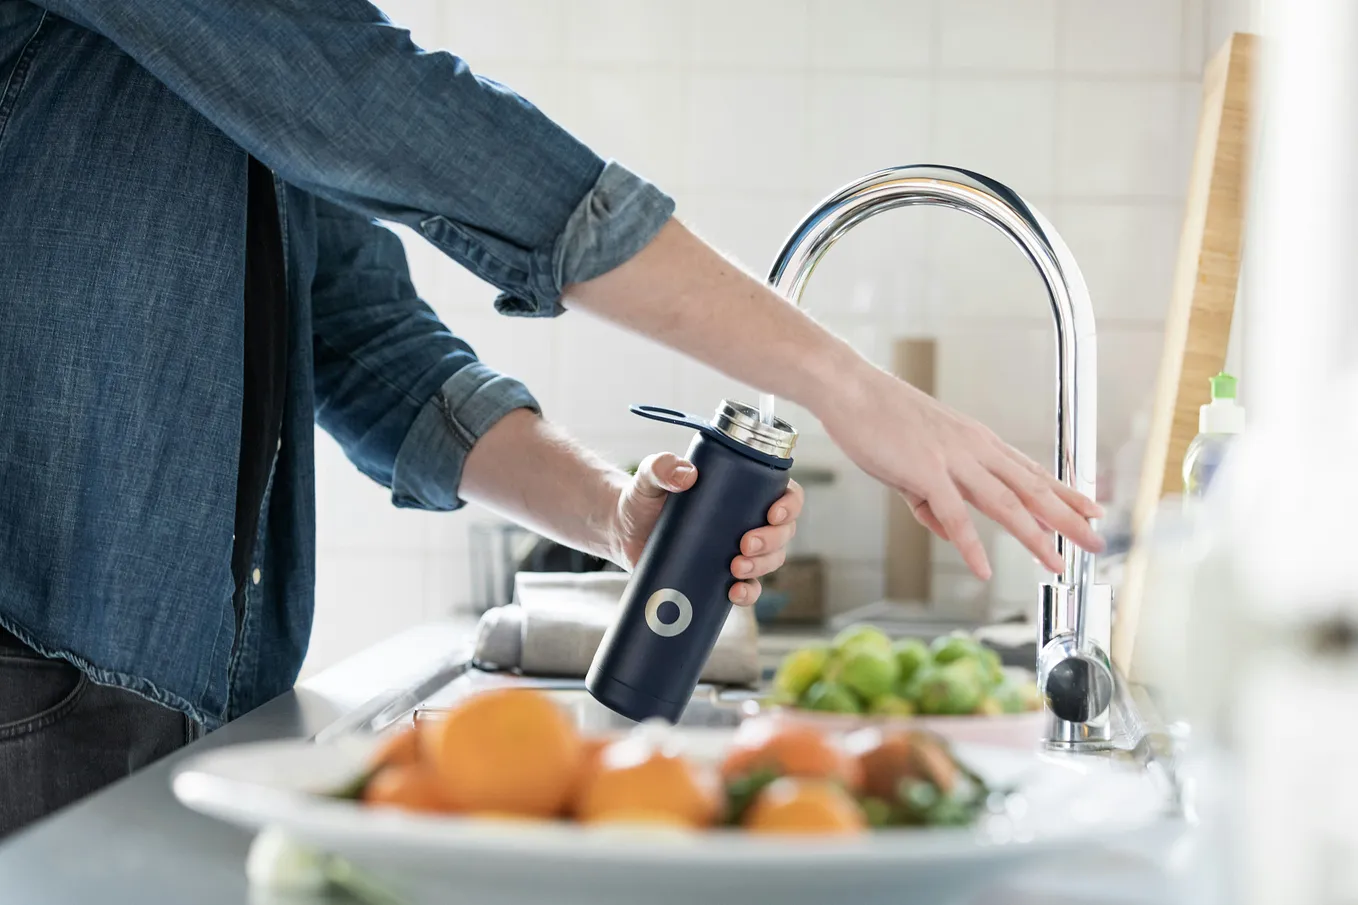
x: 681, y: 622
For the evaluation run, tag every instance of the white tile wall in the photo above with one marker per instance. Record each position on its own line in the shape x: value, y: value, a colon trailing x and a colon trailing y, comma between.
x: 978, y: 273
x: 749, y: 227
x: 1221, y: 17
x: 748, y: 111
x: 631, y: 32
x: 522, y: 31
x: 1005, y: 127
x: 867, y: 35
x: 618, y: 113
x: 862, y: 123
x: 1144, y: 38
x: 1126, y: 252
x: 998, y: 35
x: 747, y: 130
x: 1125, y: 138
x: 758, y: 34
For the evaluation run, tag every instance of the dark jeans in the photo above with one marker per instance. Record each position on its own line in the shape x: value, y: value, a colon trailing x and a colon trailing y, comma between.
x: 63, y: 737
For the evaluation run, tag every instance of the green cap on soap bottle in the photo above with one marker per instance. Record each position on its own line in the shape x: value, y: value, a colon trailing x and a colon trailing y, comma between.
x: 1223, y: 386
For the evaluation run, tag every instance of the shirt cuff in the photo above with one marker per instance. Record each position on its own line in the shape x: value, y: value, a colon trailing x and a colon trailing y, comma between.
x: 617, y: 218
x: 429, y: 464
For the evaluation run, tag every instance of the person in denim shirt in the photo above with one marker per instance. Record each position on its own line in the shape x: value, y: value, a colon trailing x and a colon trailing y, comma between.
x: 128, y: 136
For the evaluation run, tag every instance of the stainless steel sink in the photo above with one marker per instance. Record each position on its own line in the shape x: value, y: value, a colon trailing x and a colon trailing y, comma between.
x: 710, y: 707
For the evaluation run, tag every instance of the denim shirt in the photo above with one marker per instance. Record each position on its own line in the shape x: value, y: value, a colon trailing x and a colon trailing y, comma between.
x: 124, y: 134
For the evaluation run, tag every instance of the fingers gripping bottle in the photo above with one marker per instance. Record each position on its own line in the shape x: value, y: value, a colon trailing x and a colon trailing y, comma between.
x: 676, y: 602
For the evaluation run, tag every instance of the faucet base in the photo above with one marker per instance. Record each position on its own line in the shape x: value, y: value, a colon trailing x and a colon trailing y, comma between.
x: 1063, y: 735
x: 1090, y: 747
x: 1075, y: 675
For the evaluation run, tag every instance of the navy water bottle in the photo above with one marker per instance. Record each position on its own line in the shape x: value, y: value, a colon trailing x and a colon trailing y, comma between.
x: 676, y: 602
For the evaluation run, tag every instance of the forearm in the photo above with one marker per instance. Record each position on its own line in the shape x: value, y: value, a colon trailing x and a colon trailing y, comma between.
x: 532, y: 473
x: 681, y: 292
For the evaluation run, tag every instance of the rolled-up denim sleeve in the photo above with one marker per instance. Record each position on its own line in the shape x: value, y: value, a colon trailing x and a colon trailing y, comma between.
x: 619, y: 215
x: 403, y: 396
x: 340, y: 102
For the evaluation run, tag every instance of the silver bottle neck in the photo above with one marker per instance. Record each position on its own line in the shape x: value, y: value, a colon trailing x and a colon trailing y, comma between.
x: 741, y: 423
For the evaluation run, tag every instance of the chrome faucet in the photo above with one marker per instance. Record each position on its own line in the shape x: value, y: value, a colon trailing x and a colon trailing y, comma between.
x: 1075, y: 673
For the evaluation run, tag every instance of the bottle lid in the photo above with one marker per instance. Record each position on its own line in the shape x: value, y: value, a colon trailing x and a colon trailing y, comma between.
x: 1222, y: 415
x: 741, y: 423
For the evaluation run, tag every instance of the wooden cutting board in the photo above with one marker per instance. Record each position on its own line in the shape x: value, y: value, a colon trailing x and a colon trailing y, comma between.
x: 1198, y: 323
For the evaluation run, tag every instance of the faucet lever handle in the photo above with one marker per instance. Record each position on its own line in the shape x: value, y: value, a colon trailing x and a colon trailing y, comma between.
x: 1078, y: 688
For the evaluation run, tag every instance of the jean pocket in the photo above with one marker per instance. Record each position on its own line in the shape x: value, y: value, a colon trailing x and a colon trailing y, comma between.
x: 35, y: 692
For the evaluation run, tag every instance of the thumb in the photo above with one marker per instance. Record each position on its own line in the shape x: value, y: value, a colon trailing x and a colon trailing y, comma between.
x: 664, y: 473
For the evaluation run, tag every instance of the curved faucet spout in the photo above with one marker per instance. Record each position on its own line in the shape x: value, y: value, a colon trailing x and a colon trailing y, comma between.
x: 996, y: 204
x: 1074, y: 617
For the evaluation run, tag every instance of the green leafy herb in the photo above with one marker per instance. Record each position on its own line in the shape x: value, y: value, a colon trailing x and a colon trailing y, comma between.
x: 877, y: 811
x: 742, y: 791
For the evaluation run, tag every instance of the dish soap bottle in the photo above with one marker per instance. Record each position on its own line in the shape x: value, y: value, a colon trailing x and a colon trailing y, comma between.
x: 1218, y: 423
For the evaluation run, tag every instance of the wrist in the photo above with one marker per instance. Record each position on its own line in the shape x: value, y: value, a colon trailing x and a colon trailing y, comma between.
x: 838, y: 380
x: 604, y: 519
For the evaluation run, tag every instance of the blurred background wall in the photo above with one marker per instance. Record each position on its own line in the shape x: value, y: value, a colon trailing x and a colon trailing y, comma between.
x: 749, y: 112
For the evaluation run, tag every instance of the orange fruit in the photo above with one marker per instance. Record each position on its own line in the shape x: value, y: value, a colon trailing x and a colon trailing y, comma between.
x: 411, y: 787
x: 428, y: 736
x: 805, y: 806
x: 591, y: 748
x: 641, y: 818
x: 789, y: 749
x: 510, y: 750
x: 401, y: 749
x: 636, y: 781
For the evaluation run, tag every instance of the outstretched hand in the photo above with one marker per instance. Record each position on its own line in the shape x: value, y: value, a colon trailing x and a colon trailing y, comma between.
x: 939, y: 460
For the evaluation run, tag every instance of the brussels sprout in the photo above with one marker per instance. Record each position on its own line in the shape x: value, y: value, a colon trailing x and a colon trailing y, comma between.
x: 1009, y: 696
x: 948, y: 648
x: 990, y: 706
x: 954, y: 688
x: 831, y: 697
x: 912, y: 655
x: 891, y: 705
x: 994, y: 667
x: 910, y: 689
x: 859, y: 636
x: 867, y: 671
x: 800, y: 670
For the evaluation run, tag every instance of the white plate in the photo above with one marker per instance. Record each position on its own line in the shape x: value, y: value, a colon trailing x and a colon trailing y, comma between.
x: 1067, y: 805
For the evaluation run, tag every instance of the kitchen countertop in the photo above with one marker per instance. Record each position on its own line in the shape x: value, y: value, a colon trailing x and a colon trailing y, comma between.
x: 134, y: 844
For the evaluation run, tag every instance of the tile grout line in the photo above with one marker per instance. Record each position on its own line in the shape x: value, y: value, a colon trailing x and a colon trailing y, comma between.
x: 1058, y: 45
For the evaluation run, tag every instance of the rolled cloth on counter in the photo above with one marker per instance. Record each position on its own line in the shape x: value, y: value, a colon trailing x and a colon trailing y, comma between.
x: 557, y: 621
